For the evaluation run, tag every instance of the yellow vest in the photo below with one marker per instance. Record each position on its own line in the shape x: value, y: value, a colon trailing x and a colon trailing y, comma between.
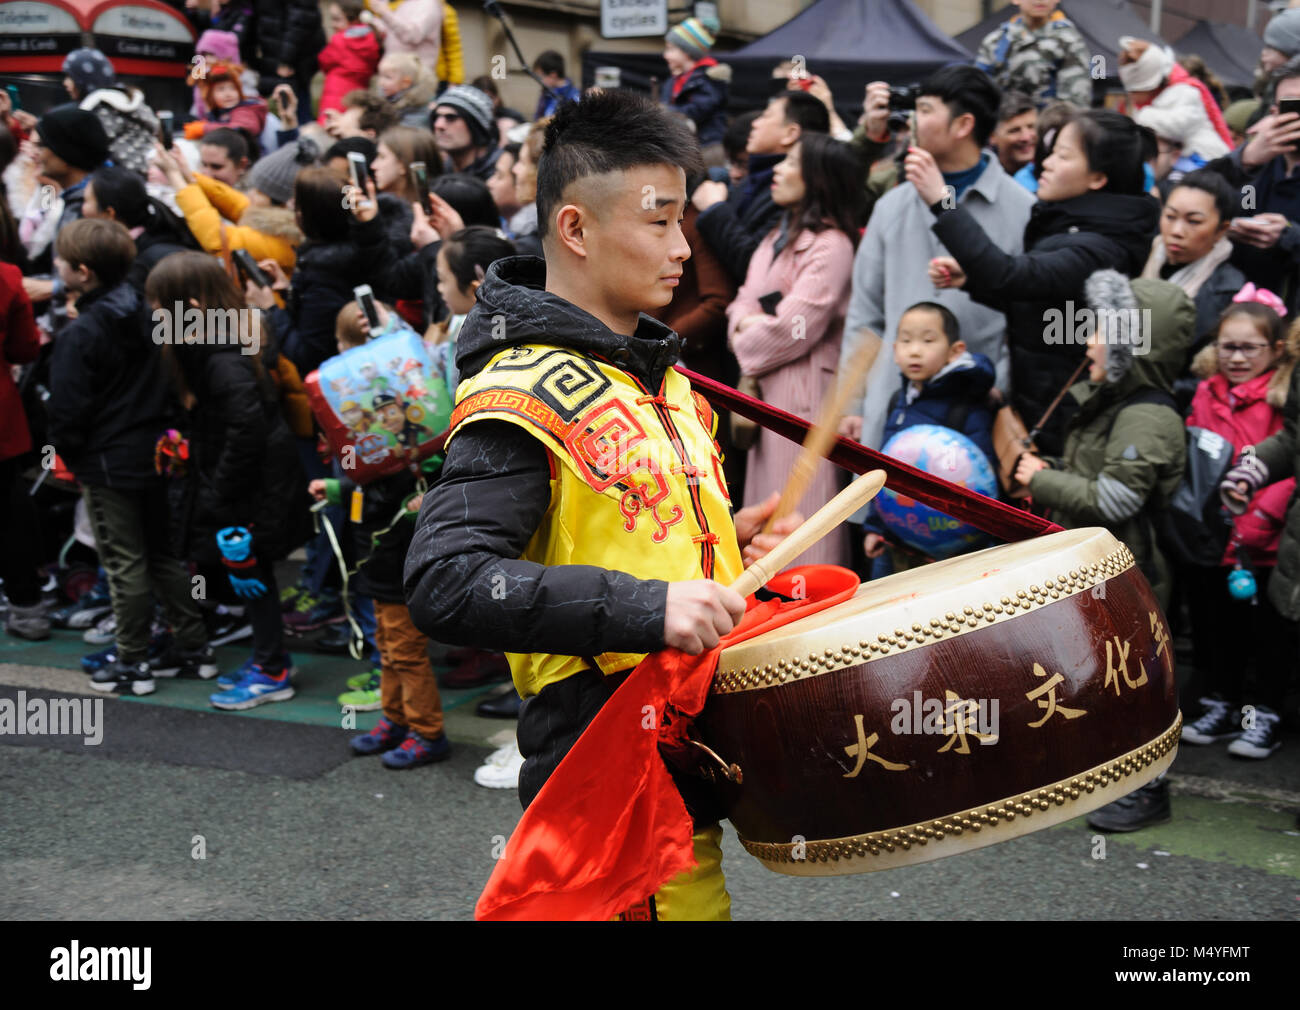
x: 639, y: 486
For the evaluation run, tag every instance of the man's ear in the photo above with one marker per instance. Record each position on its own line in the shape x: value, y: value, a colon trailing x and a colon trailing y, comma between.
x: 963, y: 126
x: 570, y: 223
x: 790, y: 135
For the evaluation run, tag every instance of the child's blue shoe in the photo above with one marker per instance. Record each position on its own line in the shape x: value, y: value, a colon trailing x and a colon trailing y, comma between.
x: 228, y: 680
x: 259, y: 686
x: 96, y: 661
x: 417, y: 750
x: 385, y: 736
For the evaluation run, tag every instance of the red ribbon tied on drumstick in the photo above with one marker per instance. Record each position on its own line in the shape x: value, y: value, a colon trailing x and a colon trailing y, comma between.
x: 609, y: 827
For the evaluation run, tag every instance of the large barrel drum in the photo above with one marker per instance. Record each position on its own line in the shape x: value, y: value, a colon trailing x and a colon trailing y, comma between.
x: 947, y: 708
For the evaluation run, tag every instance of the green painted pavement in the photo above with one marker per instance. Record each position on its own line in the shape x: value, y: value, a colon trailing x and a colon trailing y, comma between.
x: 1237, y: 834
x: 317, y: 685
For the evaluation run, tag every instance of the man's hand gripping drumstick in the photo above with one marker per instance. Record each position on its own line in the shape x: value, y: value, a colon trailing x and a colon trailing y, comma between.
x: 700, y: 612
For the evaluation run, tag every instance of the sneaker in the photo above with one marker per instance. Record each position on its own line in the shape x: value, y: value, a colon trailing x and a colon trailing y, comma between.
x: 1220, y: 721
x: 481, y: 668
x: 501, y: 769
x: 96, y: 661
x: 104, y: 631
x: 385, y: 736
x: 84, y: 613
x: 337, y: 640
x: 1139, y: 809
x: 289, y: 597
x: 30, y: 623
x: 417, y: 750
x: 178, y: 662
x: 260, y: 686
x: 325, y: 612
x: 229, y: 680
x: 362, y: 701
x: 368, y: 681
x: 124, y: 678
x: 1261, y: 739
x: 226, y: 628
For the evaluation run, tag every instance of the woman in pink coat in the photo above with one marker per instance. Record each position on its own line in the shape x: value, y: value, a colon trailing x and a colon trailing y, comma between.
x: 1244, y: 652
x: 785, y: 324
x: 411, y: 26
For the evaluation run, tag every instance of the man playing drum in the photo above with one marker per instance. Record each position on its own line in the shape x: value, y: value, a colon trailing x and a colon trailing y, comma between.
x: 582, y: 519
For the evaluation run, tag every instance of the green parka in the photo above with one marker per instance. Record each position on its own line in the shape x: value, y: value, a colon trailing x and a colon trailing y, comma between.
x: 1123, y: 459
x: 1280, y: 452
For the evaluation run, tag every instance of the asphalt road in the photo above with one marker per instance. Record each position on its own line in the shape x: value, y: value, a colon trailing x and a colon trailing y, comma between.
x: 184, y: 812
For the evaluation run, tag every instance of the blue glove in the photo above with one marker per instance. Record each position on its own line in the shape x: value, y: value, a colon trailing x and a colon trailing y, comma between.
x: 236, y: 546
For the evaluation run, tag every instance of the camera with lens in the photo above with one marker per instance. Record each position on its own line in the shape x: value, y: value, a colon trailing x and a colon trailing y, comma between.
x: 902, y: 100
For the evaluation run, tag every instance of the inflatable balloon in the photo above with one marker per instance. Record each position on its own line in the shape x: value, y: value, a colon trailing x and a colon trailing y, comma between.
x: 947, y: 453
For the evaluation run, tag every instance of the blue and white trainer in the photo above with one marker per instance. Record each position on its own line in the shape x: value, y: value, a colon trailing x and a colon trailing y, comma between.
x: 259, y: 686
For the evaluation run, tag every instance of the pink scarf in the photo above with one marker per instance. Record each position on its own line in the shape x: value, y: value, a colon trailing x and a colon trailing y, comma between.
x: 1180, y: 76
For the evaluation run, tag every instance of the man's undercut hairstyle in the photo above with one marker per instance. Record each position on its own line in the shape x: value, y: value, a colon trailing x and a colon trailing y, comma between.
x: 608, y: 132
x: 549, y: 62
x: 948, y: 321
x: 808, y: 112
x: 102, y: 245
x: 233, y: 142
x: 1015, y: 103
x: 965, y: 89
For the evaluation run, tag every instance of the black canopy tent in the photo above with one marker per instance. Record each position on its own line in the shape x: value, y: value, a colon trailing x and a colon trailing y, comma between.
x: 847, y: 42
x: 1100, y: 22
x: 1231, y: 51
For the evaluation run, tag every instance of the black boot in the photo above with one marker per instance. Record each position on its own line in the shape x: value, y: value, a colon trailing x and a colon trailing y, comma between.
x: 501, y: 703
x: 1139, y: 809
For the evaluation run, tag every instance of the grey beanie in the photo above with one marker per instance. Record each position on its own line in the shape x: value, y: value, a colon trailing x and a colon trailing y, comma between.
x: 276, y: 173
x: 476, y: 107
x: 1283, y: 32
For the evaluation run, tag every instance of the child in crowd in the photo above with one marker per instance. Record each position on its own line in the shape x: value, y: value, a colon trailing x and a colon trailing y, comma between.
x: 240, y: 504
x: 108, y: 405
x: 220, y: 87
x: 1125, y: 452
x: 408, y: 86
x: 942, y: 383
x: 462, y: 264
x: 1039, y: 52
x: 698, y: 84
x: 351, y: 56
x: 410, y: 733
x: 265, y: 226
x: 1246, y: 372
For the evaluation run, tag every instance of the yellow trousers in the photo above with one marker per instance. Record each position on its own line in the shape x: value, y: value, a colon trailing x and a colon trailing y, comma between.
x: 698, y: 895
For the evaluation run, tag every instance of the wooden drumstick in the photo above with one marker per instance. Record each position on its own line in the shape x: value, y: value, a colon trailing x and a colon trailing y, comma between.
x: 821, y: 523
x: 822, y: 435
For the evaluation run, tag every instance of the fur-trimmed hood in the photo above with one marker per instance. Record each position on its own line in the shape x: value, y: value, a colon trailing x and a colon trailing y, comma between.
x: 1206, y: 364
x: 127, y: 101
x: 1148, y: 327
x: 278, y: 222
x: 418, y: 95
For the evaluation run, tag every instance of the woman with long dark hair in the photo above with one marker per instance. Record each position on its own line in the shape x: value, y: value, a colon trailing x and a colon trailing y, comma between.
x: 240, y: 504
x: 785, y: 323
x: 1092, y: 214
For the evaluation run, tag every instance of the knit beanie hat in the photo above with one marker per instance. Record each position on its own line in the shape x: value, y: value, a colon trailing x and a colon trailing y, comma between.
x: 89, y: 70
x: 75, y: 135
x: 1237, y: 115
x: 222, y: 45
x: 694, y: 37
x: 276, y: 173
x: 1152, y: 67
x: 475, y: 106
x: 1283, y: 32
